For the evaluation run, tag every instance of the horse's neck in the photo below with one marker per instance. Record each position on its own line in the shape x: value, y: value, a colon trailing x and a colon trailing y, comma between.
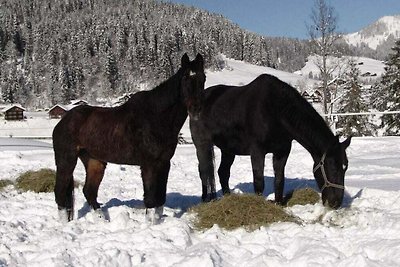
x: 166, y: 94
x: 166, y: 102
x: 310, y: 130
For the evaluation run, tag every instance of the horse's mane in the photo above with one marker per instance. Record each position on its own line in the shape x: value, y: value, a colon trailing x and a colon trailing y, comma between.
x: 301, y: 119
x: 160, y: 97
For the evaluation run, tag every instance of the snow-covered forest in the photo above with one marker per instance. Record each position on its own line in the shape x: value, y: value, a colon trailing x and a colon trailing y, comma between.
x: 52, y: 51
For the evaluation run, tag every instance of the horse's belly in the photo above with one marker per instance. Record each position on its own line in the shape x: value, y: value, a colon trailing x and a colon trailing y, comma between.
x: 114, y: 155
x: 233, y: 144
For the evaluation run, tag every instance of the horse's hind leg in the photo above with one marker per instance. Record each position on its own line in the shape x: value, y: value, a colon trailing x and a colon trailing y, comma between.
x: 224, y: 170
x: 94, y: 176
x: 205, y: 156
x: 64, y: 186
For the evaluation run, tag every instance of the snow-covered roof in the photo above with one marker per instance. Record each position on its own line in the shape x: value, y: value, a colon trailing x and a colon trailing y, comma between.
x: 58, y: 105
x: 8, y: 107
x: 73, y: 103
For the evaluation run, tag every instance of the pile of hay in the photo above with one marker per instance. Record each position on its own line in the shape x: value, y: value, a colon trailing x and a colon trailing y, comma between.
x: 303, y: 196
x: 233, y: 211
x: 4, y: 183
x: 42, y: 180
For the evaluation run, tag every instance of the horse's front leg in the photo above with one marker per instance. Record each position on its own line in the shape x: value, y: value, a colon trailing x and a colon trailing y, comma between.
x: 224, y: 170
x: 155, y: 177
x: 205, y: 156
x: 279, y: 161
x: 257, y: 163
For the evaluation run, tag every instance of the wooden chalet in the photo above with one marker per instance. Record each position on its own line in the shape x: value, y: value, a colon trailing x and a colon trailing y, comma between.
x: 316, y: 97
x: 306, y: 95
x: 58, y: 110
x: 13, y: 112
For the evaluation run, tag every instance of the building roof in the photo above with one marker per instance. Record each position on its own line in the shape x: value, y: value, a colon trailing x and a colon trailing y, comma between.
x: 8, y: 107
x: 74, y: 103
x: 60, y: 106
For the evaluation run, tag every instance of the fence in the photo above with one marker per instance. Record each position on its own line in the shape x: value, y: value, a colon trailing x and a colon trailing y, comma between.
x: 334, y: 116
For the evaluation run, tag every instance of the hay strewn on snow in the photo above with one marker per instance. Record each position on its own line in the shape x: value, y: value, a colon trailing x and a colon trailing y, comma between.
x: 42, y: 180
x: 303, y: 196
x: 233, y: 211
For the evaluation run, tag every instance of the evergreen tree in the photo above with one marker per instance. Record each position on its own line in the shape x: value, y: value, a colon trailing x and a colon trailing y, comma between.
x: 17, y: 37
x: 11, y: 86
x: 68, y: 48
x: 3, y: 43
x: 66, y: 84
x: 112, y: 71
x: 386, y: 94
x: 353, y: 102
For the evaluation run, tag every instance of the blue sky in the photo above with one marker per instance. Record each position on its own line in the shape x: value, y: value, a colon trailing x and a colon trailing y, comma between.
x: 289, y: 17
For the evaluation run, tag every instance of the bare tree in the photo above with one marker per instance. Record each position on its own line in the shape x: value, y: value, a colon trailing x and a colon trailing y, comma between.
x: 322, y: 32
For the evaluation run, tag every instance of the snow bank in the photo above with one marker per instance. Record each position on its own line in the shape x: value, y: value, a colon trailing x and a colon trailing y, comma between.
x: 240, y: 73
x: 365, y: 232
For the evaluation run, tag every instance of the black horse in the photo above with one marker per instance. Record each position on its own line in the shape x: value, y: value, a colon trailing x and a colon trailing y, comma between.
x: 143, y: 131
x: 263, y: 117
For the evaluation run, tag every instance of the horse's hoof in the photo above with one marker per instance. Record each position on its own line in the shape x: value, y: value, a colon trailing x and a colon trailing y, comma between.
x: 154, y: 215
x: 65, y: 215
x: 226, y: 192
x: 209, y: 197
x: 98, y: 215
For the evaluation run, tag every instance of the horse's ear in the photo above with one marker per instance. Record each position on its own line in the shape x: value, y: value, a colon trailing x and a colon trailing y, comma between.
x: 199, y: 59
x: 185, y: 61
x: 345, y: 144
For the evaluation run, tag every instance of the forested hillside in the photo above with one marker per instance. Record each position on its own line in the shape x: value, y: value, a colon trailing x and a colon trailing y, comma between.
x: 52, y: 51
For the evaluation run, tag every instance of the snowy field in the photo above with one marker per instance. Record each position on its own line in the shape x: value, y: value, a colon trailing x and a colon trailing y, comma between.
x: 365, y: 232
x: 38, y: 124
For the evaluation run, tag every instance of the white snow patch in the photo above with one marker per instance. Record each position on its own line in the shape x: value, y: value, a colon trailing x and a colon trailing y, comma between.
x: 366, y: 231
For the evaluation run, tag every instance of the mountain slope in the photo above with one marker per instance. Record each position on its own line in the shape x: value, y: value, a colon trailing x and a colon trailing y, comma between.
x: 53, y: 51
x: 383, y: 30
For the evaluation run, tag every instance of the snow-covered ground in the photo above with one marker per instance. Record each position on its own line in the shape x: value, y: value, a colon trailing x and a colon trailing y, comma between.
x: 240, y: 73
x: 365, y: 232
x: 369, y: 68
x: 38, y: 124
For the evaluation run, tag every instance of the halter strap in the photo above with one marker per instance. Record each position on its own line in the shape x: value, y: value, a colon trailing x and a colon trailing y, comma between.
x: 326, y: 181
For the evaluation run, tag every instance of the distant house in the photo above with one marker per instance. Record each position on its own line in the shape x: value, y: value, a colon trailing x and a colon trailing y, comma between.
x: 13, y: 112
x: 58, y: 110
x: 78, y: 102
x: 306, y: 95
x: 316, y: 96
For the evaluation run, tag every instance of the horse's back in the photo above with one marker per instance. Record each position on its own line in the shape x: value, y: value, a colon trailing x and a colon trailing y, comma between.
x: 242, y: 117
x: 94, y: 129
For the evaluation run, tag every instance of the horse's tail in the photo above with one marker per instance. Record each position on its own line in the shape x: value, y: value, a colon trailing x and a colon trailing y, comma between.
x: 211, y: 179
x: 65, y: 158
x: 70, y: 212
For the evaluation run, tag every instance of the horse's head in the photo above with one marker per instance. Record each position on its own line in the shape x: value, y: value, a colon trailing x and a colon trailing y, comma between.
x: 193, y: 84
x: 329, y: 172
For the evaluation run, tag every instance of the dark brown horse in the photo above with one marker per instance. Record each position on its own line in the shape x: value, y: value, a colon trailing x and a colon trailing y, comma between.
x: 263, y: 117
x: 143, y: 131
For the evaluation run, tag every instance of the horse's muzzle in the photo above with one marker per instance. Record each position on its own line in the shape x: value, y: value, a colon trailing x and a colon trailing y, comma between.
x: 332, y: 204
x: 195, y: 116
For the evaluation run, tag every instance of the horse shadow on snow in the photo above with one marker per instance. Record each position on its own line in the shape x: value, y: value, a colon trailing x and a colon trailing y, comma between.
x: 292, y: 184
x: 181, y: 203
